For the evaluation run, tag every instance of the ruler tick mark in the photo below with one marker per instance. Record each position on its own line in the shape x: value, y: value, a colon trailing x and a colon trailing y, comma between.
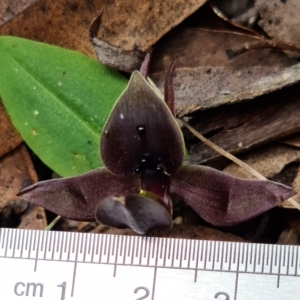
x: 116, y: 257
x: 75, y: 265
x: 197, y: 260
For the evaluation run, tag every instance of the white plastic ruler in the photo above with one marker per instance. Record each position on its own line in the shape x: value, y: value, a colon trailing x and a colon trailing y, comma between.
x: 64, y: 265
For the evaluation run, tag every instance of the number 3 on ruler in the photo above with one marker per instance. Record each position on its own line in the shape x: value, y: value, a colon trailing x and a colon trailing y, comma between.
x: 142, y: 288
x: 222, y: 293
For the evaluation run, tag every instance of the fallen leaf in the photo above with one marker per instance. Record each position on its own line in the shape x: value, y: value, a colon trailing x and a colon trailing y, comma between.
x: 205, y: 77
x: 58, y: 100
x: 280, y: 20
x: 239, y: 127
x: 268, y: 160
x: 10, y: 8
x: 9, y: 137
x: 139, y: 25
x: 265, y: 85
x: 17, y: 172
x: 121, y: 41
x: 112, y: 56
x: 63, y: 23
x: 34, y: 218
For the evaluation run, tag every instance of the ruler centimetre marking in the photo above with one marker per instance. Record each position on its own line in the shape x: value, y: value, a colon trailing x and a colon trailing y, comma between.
x: 64, y: 265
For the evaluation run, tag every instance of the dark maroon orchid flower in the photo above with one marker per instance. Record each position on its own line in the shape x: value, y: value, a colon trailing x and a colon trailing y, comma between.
x: 142, y: 149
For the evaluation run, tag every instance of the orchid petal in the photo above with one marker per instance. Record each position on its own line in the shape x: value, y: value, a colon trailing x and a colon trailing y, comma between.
x: 224, y: 200
x: 77, y: 197
x: 141, y: 129
x: 135, y: 211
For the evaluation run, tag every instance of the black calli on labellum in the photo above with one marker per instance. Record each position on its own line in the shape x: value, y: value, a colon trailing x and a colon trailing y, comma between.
x: 142, y: 148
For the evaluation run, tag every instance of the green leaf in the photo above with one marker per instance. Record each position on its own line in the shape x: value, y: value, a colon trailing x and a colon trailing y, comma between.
x: 58, y: 100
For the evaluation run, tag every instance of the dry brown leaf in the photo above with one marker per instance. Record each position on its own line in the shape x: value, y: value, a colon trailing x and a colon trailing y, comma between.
x: 204, y: 74
x: 239, y: 127
x: 266, y: 85
x: 270, y: 161
x: 138, y: 25
x: 63, y: 23
x: 121, y: 41
x: 10, y: 8
x: 280, y: 20
x: 16, y: 173
x: 34, y: 218
x: 112, y: 56
x: 9, y: 137
x: 177, y: 231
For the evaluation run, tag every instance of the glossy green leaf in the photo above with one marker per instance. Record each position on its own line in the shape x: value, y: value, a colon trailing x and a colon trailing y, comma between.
x: 58, y: 100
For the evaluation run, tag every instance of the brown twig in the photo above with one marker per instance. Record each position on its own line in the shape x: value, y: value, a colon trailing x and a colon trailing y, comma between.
x: 262, y: 44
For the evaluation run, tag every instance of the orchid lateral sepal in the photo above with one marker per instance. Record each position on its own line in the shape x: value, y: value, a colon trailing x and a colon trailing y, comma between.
x: 225, y: 200
x: 77, y: 197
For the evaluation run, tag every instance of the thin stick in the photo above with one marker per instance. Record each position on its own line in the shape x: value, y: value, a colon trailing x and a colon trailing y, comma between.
x: 53, y: 223
x: 265, y: 44
x: 230, y: 156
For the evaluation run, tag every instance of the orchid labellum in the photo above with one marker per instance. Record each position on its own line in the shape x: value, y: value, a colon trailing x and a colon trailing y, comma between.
x: 142, y: 149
